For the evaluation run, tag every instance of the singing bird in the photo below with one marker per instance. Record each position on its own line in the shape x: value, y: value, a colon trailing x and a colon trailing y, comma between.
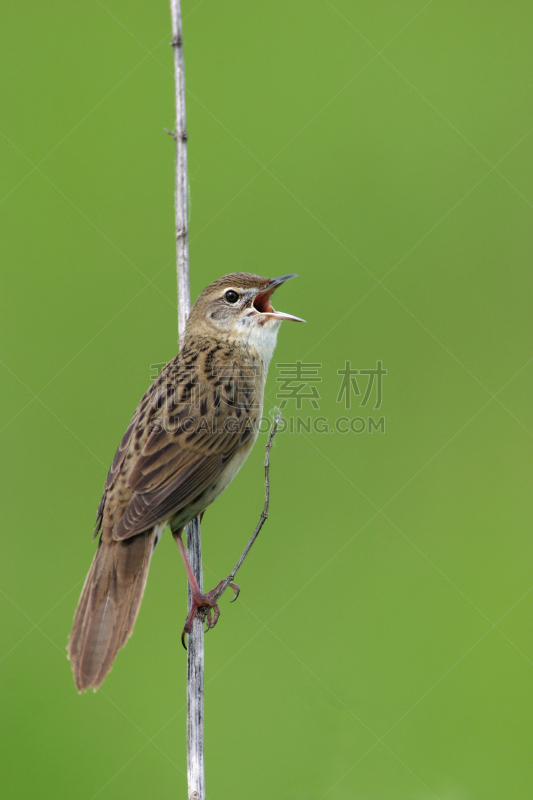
x: 188, y: 437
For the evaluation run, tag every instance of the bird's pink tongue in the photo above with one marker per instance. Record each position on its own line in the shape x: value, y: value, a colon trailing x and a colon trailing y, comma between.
x: 262, y: 303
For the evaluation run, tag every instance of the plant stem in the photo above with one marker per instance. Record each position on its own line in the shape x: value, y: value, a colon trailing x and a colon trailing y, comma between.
x: 195, y: 650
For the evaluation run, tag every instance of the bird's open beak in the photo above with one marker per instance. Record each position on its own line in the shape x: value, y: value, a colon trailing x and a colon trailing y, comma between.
x: 263, y: 305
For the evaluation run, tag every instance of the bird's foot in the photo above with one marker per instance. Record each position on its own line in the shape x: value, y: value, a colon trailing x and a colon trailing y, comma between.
x: 206, y: 604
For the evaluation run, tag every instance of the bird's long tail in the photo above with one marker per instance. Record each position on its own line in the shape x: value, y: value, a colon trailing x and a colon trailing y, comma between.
x: 108, y: 606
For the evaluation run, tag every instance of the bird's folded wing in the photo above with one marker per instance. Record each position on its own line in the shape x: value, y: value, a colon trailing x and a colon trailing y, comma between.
x: 172, y: 470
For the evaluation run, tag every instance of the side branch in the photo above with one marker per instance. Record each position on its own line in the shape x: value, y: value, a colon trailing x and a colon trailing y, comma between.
x: 262, y: 518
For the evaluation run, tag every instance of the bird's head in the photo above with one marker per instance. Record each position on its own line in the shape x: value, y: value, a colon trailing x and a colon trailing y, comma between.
x: 237, y: 309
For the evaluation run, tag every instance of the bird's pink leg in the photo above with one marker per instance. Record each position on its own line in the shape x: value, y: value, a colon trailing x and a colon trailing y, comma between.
x: 199, y: 600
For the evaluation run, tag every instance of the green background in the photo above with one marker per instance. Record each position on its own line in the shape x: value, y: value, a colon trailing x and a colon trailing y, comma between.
x: 382, y: 646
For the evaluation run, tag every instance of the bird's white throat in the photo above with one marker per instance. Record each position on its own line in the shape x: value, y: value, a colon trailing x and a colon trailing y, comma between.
x: 258, y: 334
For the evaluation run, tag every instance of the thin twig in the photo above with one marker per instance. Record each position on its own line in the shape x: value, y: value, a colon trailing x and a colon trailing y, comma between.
x: 195, y: 651
x: 262, y: 518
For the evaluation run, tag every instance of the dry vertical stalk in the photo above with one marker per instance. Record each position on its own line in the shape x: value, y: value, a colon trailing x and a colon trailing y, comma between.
x: 195, y: 641
x: 180, y: 136
x: 195, y: 651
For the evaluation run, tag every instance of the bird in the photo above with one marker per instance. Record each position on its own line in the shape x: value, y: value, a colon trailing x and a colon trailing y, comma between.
x: 189, y: 436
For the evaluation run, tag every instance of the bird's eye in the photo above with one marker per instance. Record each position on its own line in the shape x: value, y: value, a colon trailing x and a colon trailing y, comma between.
x: 231, y: 296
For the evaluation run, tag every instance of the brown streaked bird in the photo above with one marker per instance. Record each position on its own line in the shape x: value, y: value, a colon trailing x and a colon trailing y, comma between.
x: 189, y: 436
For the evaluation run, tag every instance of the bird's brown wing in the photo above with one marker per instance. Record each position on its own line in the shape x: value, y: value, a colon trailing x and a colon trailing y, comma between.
x: 177, y: 463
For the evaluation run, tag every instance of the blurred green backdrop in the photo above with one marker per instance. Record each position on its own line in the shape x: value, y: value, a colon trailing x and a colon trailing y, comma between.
x: 382, y: 645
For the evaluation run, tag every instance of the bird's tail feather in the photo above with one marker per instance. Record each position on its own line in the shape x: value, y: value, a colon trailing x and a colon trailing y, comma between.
x: 108, y: 606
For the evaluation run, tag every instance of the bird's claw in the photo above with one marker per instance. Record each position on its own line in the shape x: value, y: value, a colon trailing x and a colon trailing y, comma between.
x: 211, y: 618
x: 212, y: 611
x: 237, y: 589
